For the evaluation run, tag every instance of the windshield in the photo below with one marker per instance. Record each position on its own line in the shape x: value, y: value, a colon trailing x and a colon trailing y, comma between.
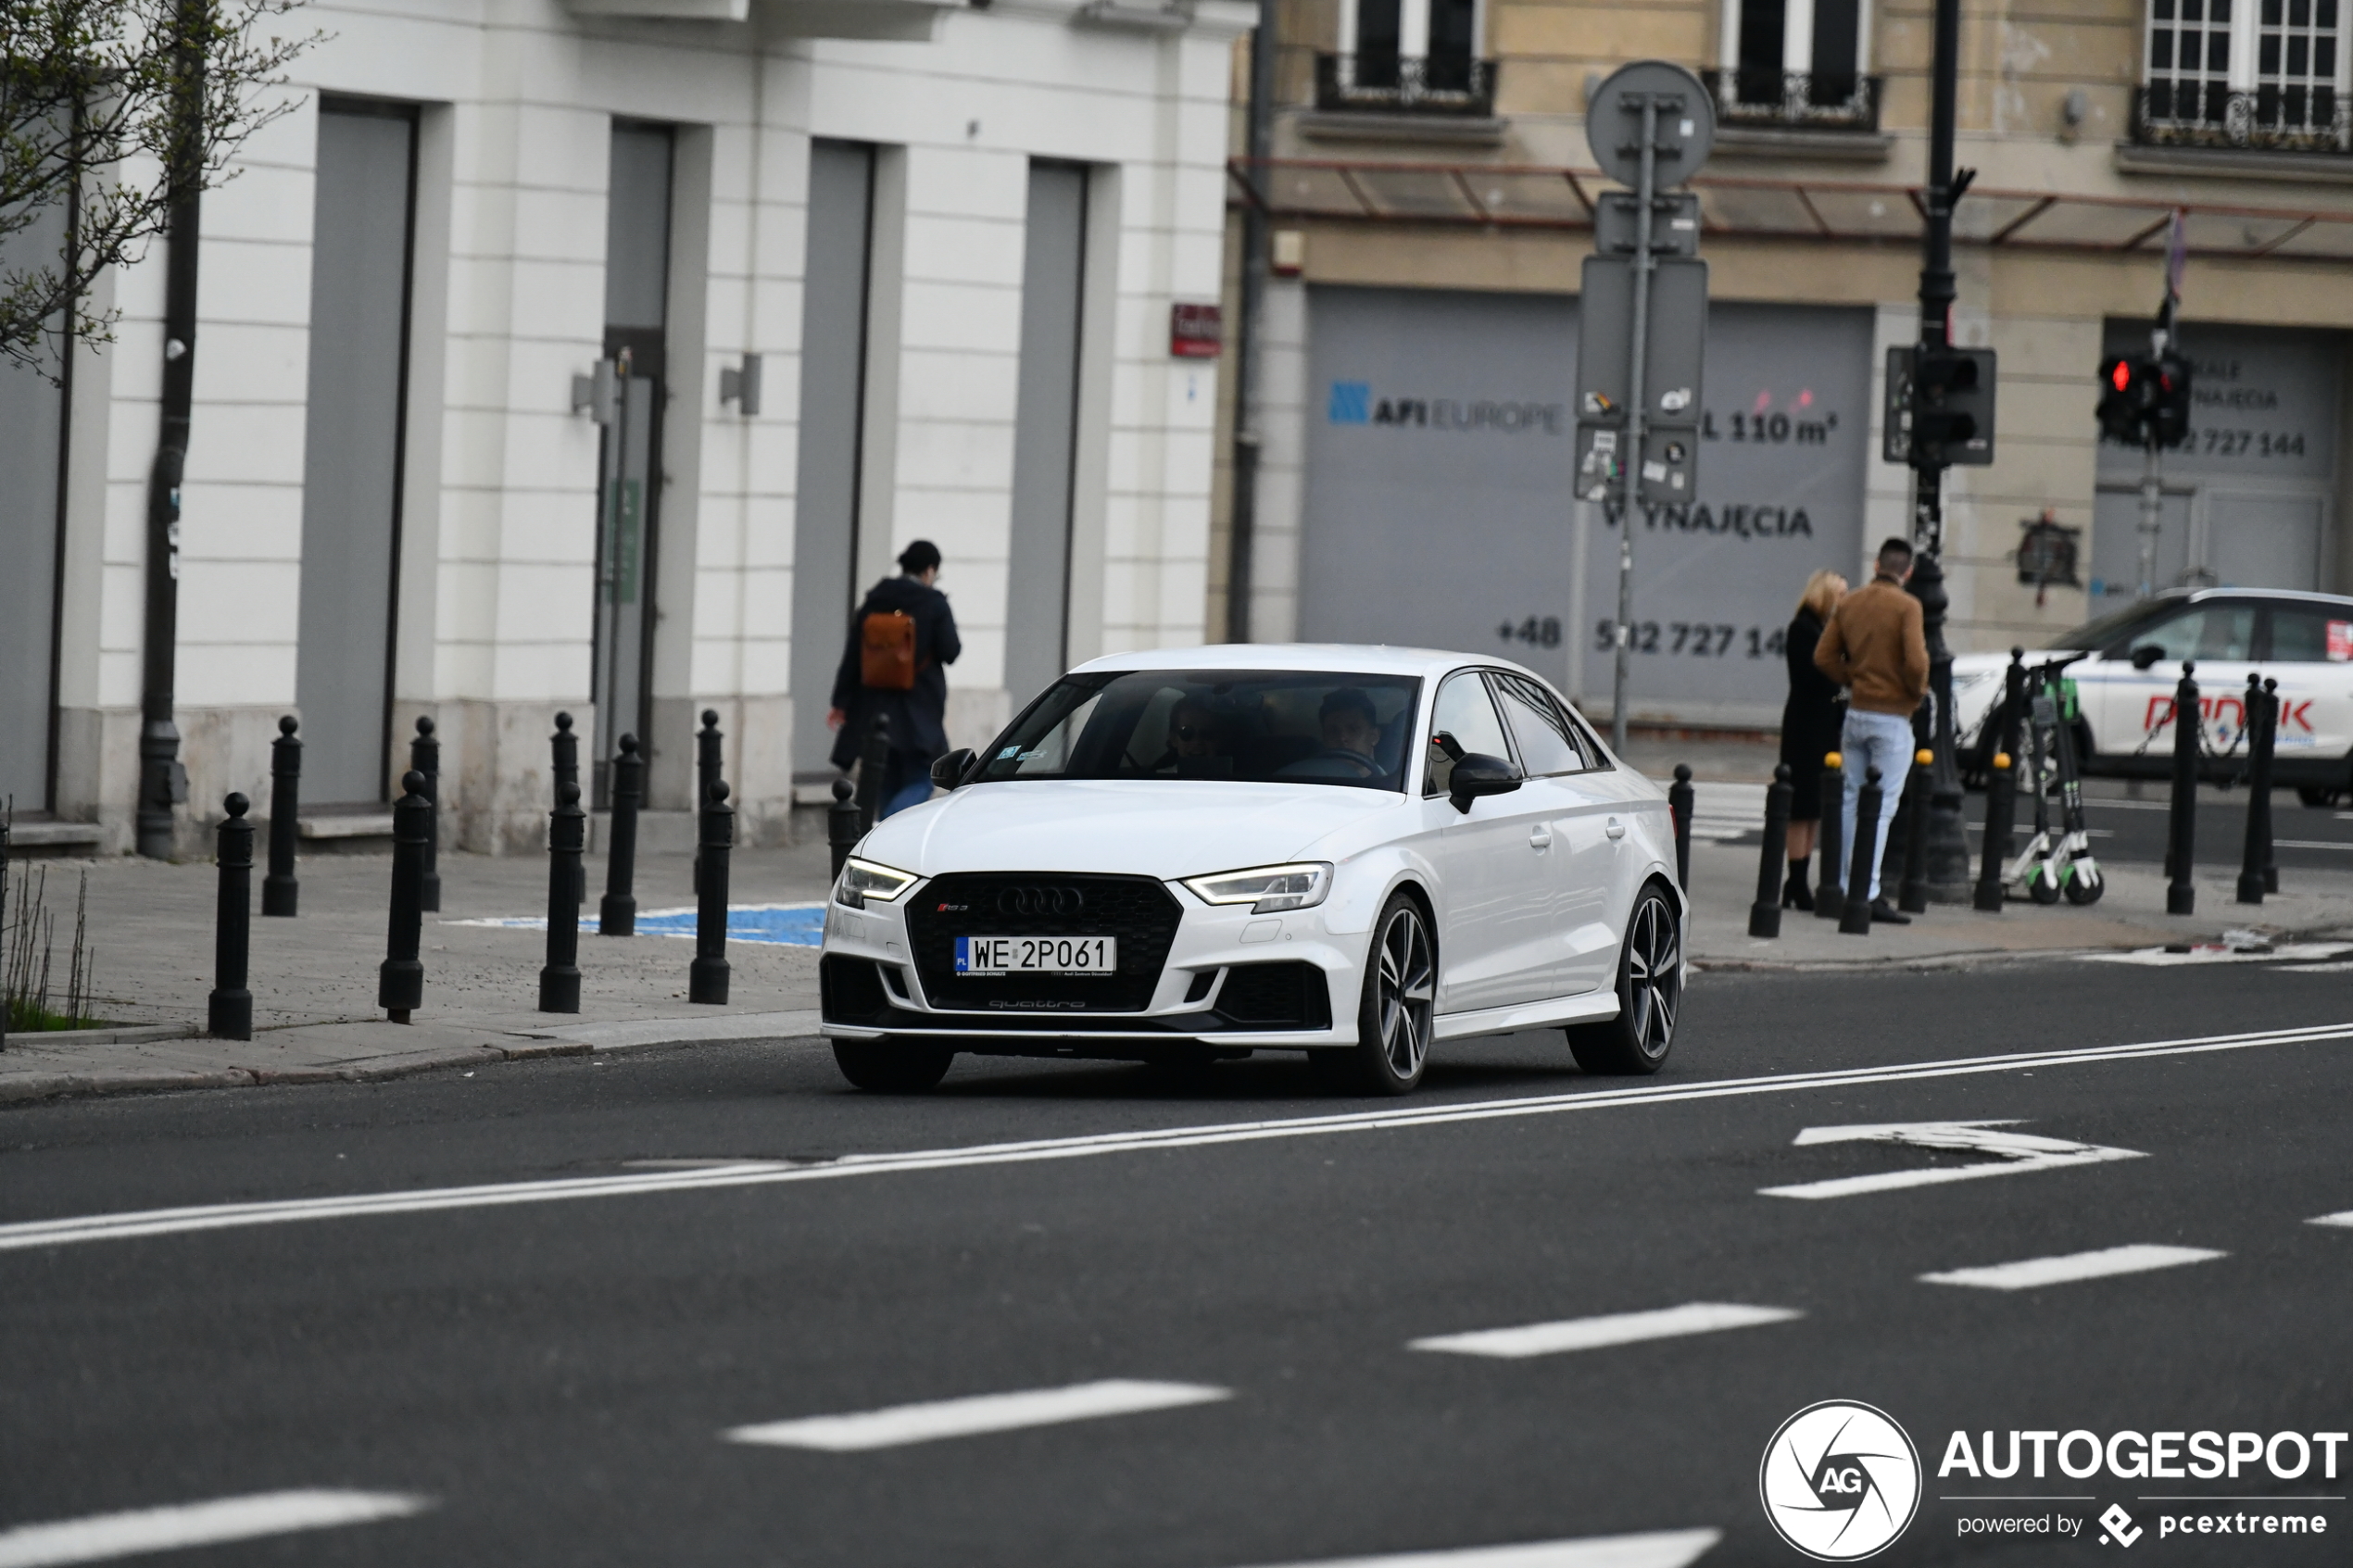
x: 2115, y: 626
x: 1255, y: 725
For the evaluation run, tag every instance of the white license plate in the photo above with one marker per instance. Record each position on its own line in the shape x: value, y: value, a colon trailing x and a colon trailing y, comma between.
x: 1037, y: 955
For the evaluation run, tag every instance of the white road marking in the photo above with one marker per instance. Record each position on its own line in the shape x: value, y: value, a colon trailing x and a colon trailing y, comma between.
x: 2308, y: 844
x: 901, y: 1424
x: 2019, y: 1151
x: 2344, y: 1219
x: 2318, y: 968
x: 1592, y: 1334
x: 2211, y: 952
x: 2029, y: 1274
x: 223, y: 1216
x: 104, y: 1536
x: 1661, y: 1548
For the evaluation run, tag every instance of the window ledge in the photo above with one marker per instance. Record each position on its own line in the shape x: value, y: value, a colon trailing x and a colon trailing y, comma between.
x: 1478, y: 131
x: 2235, y: 163
x: 1818, y: 147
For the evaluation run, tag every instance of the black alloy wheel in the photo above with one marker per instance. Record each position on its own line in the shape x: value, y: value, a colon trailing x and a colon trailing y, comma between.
x: 1400, y: 1005
x: 893, y: 1067
x: 1650, y: 994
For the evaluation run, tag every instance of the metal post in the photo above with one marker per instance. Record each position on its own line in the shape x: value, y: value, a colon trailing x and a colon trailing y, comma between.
x: 400, y: 982
x: 2001, y: 787
x: 1681, y: 798
x: 229, y: 1010
x: 2181, y: 893
x: 2152, y: 519
x: 709, y: 762
x: 2270, y: 743
x: 2256, y: 724
x: 1765, y: 915
x: 1637, y: 418
x: 617, y: 916
x: 1855, y: 919
x: 3, y: 905
x: 874, y: 761
x: 1242, y: 528
x: 567, y: 833
x: 1829, y: 898
x: 707, y: 977
x: 1913, y: 897
x: 279, y: 891
x: 424, y: 756
x: 842, y: 829
x: 565, y: 751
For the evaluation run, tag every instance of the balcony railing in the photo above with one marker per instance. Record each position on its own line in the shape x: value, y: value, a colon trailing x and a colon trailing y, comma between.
x: 1795, y: 100
x: 1436, y: 85
x: 2274, y: 118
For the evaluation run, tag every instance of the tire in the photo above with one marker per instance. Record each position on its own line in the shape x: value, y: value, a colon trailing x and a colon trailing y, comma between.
x: 2040, y: 884
x: 1398, y: 1008
x: 2084, y: 886
x: 886, y: 1067
x: 2315, y: 796
x: 1650, y: 994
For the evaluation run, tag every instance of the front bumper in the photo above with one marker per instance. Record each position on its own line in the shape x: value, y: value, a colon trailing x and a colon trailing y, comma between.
x: 1216, y: 988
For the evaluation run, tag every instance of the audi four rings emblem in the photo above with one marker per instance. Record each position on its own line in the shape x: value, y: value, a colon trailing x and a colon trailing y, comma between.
x: 1840, y: 1481
x: 1062, y: 901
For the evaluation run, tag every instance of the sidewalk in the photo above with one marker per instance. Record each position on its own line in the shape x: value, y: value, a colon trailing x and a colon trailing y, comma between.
x: 314, y: 978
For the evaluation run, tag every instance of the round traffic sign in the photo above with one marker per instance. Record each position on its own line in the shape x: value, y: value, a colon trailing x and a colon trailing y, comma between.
x: 1686, y: 122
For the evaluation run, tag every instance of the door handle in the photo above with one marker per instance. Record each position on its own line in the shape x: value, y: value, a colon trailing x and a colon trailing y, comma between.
x: 1616, y: 828
x: 1539, y: 837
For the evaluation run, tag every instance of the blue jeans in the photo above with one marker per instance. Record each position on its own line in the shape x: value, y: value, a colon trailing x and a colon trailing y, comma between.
x: 1882, y: 741
x: 914, y: 791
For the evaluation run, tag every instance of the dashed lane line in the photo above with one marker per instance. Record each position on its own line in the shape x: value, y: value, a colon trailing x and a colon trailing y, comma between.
x: 2344, y: 1219
x: 902, y: 1424
x: 2031, y: 1273
x: 1593, y: 1334
x: 102, y: 1537
x: 226, y: 1216
x: 1658, y: 1548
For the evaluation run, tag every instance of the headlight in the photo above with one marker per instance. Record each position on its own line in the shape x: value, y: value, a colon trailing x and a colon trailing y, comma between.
x: 863, y: 881
x: 1267, y: 890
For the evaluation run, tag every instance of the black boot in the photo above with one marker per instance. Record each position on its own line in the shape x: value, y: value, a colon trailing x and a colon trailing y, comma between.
x: 1795, y: 895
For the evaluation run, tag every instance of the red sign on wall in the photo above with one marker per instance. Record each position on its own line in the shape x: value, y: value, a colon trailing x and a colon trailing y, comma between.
x: 1195, y: 332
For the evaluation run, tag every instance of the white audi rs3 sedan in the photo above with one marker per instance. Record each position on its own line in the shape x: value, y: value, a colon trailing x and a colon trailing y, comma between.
x: 1356, y: 852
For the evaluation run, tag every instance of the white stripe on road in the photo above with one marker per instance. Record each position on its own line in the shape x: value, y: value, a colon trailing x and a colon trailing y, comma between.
x: 2030, y: 1272
x: 104, y: 1536
x: 175, y: 1222
x: 2216, y: 952
x: 1661, y: 1548
x: 902, y: 1424
x: 1592, y: 1334
x: 2346, y: 1219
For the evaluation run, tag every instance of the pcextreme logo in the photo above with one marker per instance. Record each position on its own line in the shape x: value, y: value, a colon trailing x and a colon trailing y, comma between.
x: 1840, y: 1481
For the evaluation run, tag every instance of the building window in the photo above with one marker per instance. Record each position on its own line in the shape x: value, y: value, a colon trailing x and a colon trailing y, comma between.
x: 1802, y: 63
x: 1420, y: 54
x: 2249, y: 73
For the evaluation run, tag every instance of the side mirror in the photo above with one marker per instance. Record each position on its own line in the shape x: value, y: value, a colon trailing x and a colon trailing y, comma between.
x: 2146, y: 655
x: 1479, y: 774
x: 949, y: 771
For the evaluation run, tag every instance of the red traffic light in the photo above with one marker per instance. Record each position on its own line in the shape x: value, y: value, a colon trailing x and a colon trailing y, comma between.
x: 2120, y: 375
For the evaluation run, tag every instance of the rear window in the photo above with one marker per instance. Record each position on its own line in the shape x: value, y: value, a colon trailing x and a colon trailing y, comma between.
x: 1283, y: 726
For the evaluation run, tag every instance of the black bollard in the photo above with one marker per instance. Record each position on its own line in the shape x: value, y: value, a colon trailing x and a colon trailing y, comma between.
x: 1913, y: 898
x: 617, y: 916
x: 400, y: 982
x: 2181, y: 893
x: 229, y: 1010
x: 707, y: 977
x: 567, y: 834
x: 2271, y: 744
x: 1765, y: 915
x: 4, y: 904
x: 279, y: 890
x: 2256, y: 725
x: 564, y: 749
x: 1681, y: 798
x: 842, y: 825
x: 1855, y: 919
x: 874, y: 761
x: 1829, y: 900
x: 709, y: 763
x: 2001, y: 786
x: 424, y: 756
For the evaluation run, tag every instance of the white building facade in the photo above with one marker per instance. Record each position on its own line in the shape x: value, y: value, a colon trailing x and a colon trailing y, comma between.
x: 593, y: 358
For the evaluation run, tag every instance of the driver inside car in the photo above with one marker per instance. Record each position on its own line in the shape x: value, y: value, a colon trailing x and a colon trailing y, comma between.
x: 1350, y: 730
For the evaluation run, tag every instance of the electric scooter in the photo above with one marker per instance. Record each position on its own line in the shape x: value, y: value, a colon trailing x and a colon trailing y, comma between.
x: 2054, y: 864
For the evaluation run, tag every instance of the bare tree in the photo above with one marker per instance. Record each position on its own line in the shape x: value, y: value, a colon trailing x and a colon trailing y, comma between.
x: 107, y: 110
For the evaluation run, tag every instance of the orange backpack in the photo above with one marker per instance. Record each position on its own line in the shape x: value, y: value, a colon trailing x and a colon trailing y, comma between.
x: 886, y: 651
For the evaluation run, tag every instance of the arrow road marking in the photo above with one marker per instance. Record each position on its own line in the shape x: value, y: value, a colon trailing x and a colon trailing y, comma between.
x: 104, y: 1536
x: 2030, y: 1272
x: 2020, y: 1152
x: 1592, y: 1334
x: 901, y: 1424
x: 1660, y: 1548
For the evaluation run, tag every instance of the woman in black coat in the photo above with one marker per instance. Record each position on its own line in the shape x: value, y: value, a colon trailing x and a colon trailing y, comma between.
x: 1811, y: 721
x: 918, y: 715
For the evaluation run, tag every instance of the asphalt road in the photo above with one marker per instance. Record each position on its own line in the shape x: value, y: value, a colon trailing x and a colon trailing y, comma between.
x: 554, y: 1378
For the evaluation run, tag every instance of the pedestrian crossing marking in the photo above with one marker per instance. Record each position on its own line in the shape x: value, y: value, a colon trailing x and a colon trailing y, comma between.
x: 2029, y: 1274
x: 1615, y: 1329
x: 898, y: 1425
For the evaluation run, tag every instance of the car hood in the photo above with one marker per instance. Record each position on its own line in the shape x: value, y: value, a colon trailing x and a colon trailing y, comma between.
x: 1166, y: 828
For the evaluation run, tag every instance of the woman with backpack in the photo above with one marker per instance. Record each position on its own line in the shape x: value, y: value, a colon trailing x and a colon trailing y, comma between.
x: 900, y: 640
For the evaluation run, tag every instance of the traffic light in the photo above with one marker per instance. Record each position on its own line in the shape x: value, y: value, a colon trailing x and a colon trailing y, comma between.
x: 1940, y: 407
x: 2145, y: 399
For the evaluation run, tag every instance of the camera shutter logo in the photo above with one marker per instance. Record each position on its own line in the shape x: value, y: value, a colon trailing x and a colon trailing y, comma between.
x: 1841, y: 1481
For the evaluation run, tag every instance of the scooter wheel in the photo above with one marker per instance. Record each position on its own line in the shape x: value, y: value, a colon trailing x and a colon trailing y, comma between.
x: 2084, y: 886
x: 2042, y: 884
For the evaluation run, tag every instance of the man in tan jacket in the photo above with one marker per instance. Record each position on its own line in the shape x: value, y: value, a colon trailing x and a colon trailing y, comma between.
x: 1874, y: 647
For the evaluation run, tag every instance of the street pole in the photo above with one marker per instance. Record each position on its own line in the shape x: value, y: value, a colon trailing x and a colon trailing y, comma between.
x: 2152, y: 506
x: 1629, y: 470
x: 1948, y: 878
x: 1241, y: 509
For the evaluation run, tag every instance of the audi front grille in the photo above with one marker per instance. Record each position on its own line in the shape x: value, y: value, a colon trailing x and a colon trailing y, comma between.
x: 1136, y: 911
